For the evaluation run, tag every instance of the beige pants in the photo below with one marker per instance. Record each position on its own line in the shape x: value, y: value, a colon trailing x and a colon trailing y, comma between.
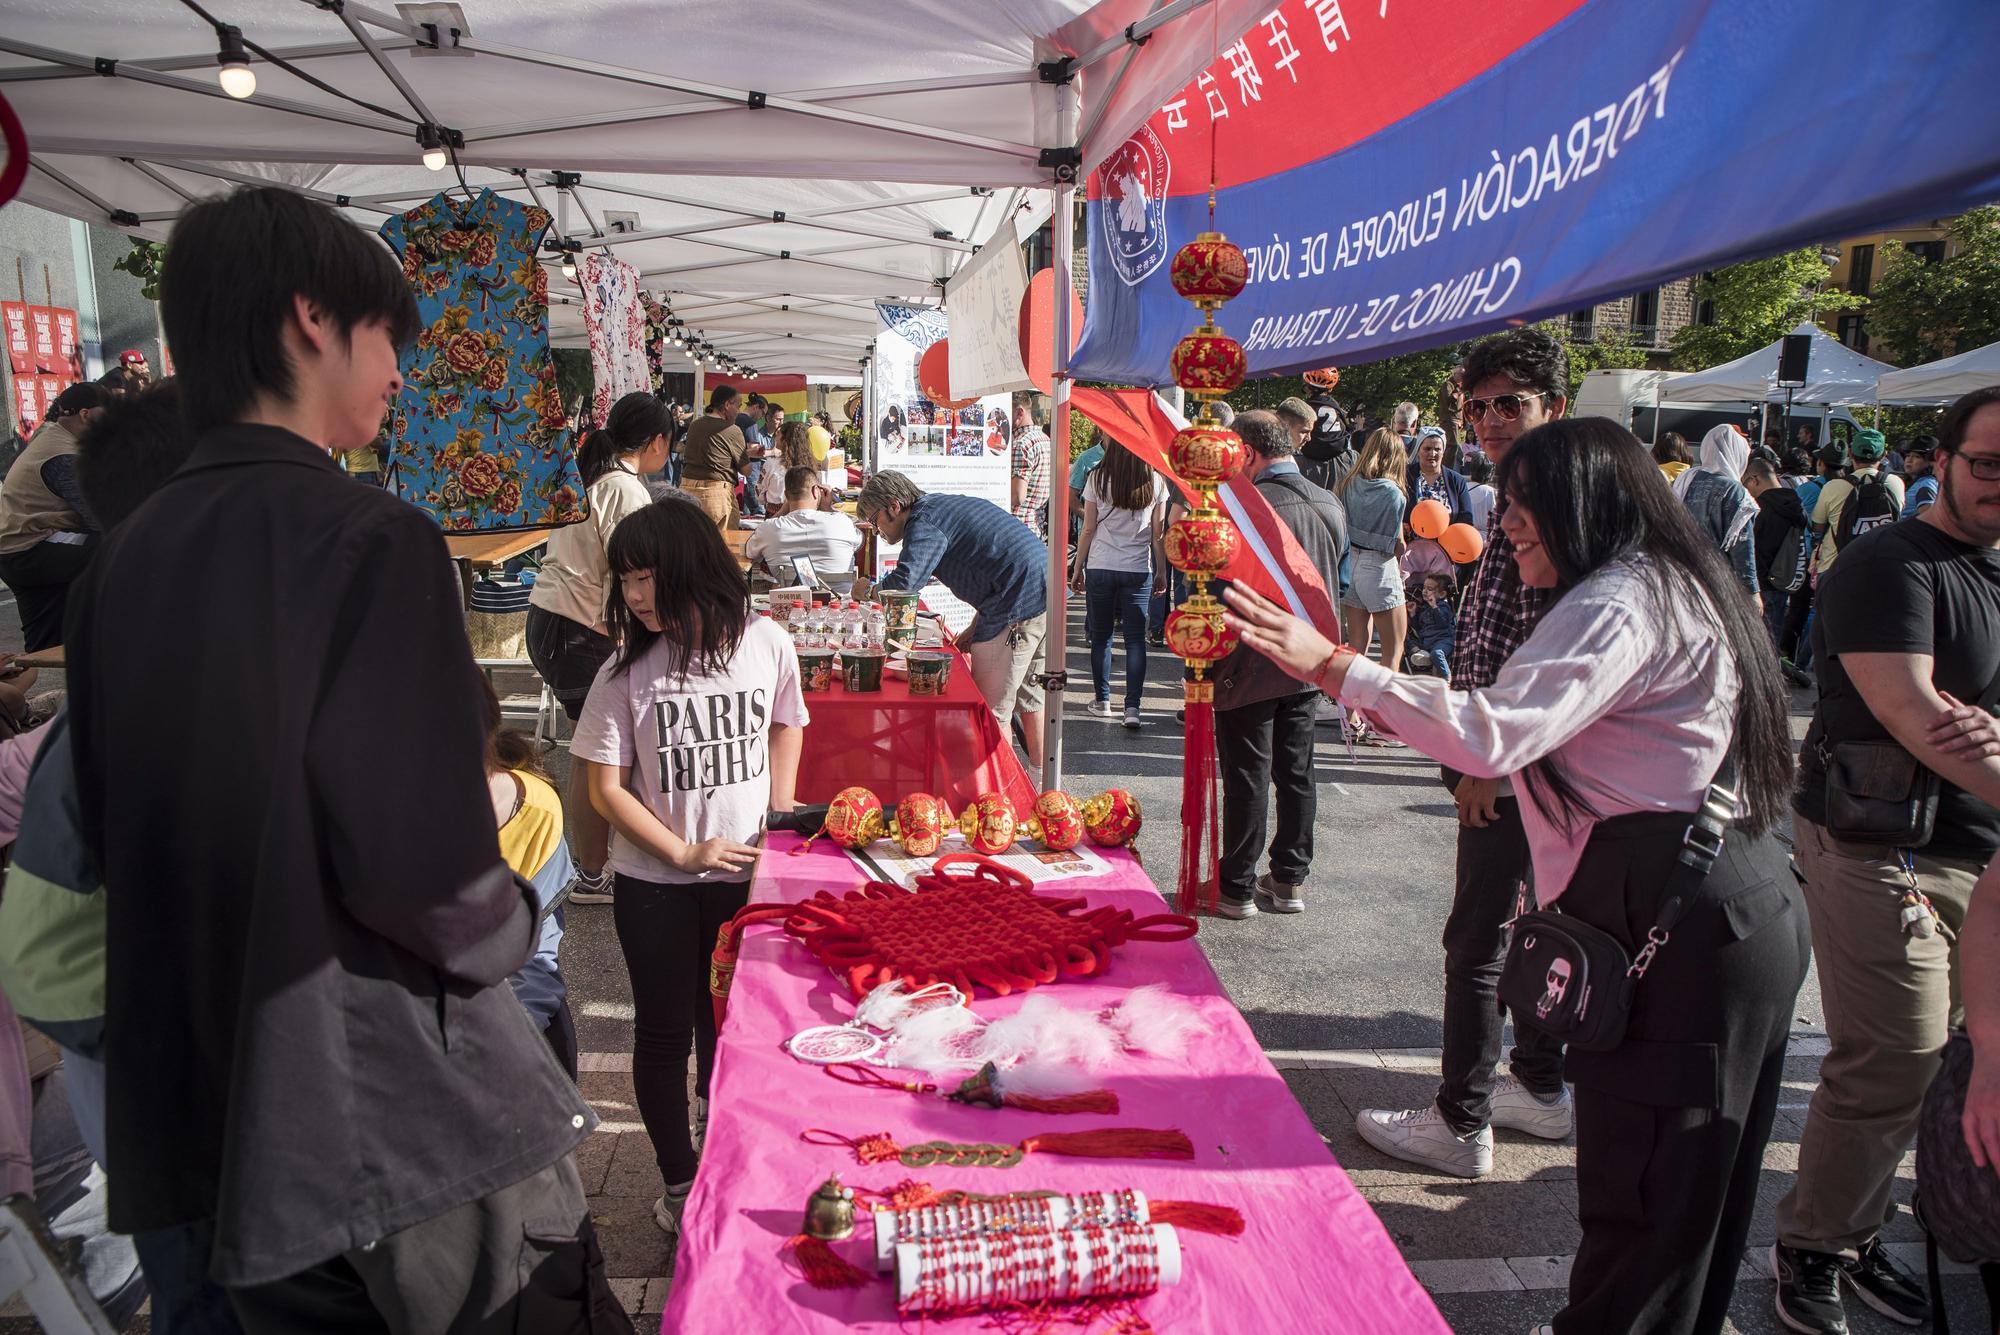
x: 1890, y: 999
x: 1002, y: 665
x: 718, y: 500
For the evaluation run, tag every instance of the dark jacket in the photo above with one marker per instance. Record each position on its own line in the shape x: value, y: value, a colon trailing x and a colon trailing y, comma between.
x: 309, y: 1035
x: 1330, y: 453
x: 1457, y: 491
x: 1319, y: 522
x: 1779, y: 512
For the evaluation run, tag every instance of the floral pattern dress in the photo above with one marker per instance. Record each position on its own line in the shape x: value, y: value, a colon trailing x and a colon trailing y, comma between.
x: 657, y: 333
x: 478, y: 436
x: 617, y: 324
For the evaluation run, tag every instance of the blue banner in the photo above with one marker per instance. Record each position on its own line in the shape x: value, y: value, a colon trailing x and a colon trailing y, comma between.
x: 1631, y: 143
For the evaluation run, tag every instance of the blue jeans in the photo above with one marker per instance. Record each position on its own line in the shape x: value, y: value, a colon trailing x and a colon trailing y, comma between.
x: 753, y: 472
x: 1117, y: 597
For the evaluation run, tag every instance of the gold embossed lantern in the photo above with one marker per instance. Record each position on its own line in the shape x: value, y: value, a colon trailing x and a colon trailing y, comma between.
x: 1207, y: 364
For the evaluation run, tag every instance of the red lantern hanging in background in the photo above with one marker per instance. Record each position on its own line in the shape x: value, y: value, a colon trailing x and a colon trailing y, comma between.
x: 934, y: 376
x: 1208, y: 364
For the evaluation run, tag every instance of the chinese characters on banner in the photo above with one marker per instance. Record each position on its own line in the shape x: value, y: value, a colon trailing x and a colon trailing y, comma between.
x: 44, y: 356
x: 20, y: 350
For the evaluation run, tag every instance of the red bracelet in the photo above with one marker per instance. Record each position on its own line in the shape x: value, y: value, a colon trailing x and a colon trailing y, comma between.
x: 1319, y: 673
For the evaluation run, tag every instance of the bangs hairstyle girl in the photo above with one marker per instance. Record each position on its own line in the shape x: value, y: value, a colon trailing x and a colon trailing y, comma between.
x: 1598, y: 497
x: 699, y: 592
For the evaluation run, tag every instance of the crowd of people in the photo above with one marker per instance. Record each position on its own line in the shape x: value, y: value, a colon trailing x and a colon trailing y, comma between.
x: 325, y: 933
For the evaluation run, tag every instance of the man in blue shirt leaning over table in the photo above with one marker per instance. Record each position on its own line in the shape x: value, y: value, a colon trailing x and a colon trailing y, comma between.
x: 989, y: 559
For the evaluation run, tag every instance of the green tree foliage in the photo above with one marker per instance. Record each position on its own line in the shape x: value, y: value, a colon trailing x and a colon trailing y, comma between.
x: 1922, y: 312
x: 1755, y: 304
x: 1611, y: 350
x: 144, y: 261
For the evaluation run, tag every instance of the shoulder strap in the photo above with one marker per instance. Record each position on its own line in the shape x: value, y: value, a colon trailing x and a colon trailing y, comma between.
x: 1700, y: 847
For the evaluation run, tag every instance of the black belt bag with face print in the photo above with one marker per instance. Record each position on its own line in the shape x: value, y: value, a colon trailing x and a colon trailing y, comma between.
x: 1575, y: 982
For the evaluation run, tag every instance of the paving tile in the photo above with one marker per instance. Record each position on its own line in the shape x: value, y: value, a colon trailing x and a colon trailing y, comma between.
x: 603, y: 1061
x: 658, y: 1289
x: 1513, y: 1313
x: 1541, y: 1272
x: 1485, y: 1275
x: 634, y: 1247
x: 631, y: 1294
x: 593, y: 1157
x: 1474, y: 1219
x: 634, y: 1169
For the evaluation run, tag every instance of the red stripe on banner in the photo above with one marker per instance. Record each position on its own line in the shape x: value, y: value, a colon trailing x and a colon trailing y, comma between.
x: 1143, y: 424
x: 1314, y: 77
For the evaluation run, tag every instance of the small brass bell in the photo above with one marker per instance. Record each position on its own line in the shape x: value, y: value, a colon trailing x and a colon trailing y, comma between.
x: 830, y: 1212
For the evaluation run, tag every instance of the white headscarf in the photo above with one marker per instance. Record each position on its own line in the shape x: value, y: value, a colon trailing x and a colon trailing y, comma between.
x: 1724, y: 451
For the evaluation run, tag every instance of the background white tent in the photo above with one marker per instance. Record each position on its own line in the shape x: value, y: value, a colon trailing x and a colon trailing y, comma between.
x: 1836, y: 373
x: 1940, y: 382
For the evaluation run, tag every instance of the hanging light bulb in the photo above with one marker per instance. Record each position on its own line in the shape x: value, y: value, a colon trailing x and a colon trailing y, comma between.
x: 236, y: 76
x: 569, y: 266
x: 433, y: 146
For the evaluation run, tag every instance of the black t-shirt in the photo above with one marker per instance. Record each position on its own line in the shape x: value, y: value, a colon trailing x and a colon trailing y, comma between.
x: 1906, y: 588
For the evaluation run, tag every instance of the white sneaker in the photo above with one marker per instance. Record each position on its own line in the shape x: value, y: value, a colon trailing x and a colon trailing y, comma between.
x: 1235, y: 909
x: 1131, y: 718
x: 1100, y: 709
x: 668, y: 1209
x: 1422, y: 1136
x: 1516, y: 1108
x: 1274, y: 896
x: 1326, y: 711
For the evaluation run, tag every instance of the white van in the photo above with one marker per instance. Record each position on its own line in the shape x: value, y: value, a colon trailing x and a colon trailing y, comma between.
x: 1626, y: 397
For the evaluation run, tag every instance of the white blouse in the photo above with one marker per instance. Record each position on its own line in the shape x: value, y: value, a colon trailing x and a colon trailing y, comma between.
x: 1631, y: 691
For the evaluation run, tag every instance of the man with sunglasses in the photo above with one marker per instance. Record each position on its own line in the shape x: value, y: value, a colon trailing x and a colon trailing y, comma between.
x: 1907, y: 646
x: 1514, y: 382
x: 809, y: 527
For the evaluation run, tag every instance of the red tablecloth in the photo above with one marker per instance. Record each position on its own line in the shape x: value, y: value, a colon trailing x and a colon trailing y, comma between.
x: 893, y: 744
x: 1313, y: 1256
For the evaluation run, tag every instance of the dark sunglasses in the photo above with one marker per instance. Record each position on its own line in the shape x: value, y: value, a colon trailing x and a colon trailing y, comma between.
x: 1506, y: 406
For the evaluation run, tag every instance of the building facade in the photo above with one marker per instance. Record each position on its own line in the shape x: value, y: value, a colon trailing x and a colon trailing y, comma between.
x: 1645, y: 320
x: 1860, y: 263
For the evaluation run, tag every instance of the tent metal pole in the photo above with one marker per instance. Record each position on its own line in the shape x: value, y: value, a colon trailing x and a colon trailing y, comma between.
x: 71, y: 186
x: 1138, y: 32
x: 162, y: 180
x: 805, y: 218
x: 389, y: 72
x: 1055, y: 647
x: 203, y: 61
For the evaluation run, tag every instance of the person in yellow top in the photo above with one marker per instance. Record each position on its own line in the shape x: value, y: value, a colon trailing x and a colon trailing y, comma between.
x: 364, y: 464
x: 568, y: 634
x: 1874, y: 494
x: 1671, y: 453
x: 530, y: 817
x: 821, y: 437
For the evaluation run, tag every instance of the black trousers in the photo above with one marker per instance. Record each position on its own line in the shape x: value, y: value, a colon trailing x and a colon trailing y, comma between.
x: 1671, y: 1125
x: 522, y: 1259
x: 40, y: 578
x: 1796, y: 611
x: 1266, y: 747
x: 668, y: 933
x: 1492, y: 864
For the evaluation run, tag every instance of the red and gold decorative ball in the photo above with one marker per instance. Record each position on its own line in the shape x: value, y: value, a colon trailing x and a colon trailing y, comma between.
x: 1057, y: 821
x: 1209, y: 270
x: 1209, y: 359
x: 921, y: 822
x: 988, y: 824
x: 854, y: 818
x: 1111, y: 819
x: 1199, y: 635
x: 1202, y: 453
x: 1201, y: 542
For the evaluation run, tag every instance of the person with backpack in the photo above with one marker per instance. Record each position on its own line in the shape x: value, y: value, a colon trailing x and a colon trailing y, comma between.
x: 1779, y: 536
x: 1897, y: 812
x: 1868, y: 497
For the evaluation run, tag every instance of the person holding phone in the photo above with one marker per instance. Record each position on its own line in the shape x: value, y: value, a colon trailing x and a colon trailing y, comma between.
x: 693, y: 736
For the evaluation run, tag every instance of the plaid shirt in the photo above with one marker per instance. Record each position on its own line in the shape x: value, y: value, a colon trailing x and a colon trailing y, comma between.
x: 1498, y: 615
x: 1031, y: 461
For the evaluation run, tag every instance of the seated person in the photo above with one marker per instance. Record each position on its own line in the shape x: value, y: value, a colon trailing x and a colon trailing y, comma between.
x: 810, y: 527
x: 1434, y: 625
x: 47, y: 535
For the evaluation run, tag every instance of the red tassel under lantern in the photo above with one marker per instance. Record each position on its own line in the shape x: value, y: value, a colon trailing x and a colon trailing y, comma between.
x: 1200, y: 887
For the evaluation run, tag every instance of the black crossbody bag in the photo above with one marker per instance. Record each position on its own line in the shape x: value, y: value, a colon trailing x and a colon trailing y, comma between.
x: 1575, y: 982
x: 1878, y: 793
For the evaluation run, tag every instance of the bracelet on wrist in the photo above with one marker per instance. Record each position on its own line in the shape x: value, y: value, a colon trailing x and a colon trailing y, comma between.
x: 1319, y: 673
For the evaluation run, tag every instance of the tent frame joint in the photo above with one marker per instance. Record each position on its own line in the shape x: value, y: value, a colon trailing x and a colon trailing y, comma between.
x: 1064, y: 162
x: 106, y: 67
x: 1139, y: 39
x: 755, y: 100
x: 1058, y: 71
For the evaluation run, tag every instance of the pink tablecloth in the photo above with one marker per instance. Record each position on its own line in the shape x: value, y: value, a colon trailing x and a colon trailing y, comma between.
x: 1313, y: 1257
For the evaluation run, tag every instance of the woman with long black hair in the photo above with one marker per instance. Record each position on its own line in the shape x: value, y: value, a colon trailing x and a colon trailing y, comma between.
x: 569, y: 609
x: 693, y: 733
x: 1615, y: 716
x: 1120, y: 564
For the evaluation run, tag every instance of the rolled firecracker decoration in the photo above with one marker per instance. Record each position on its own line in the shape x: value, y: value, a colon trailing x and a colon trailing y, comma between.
x: 988, y: 824
x: 1056, y: 821
x: 1002, y: 1214
x: 944, y: 1275
x: 921, y: 823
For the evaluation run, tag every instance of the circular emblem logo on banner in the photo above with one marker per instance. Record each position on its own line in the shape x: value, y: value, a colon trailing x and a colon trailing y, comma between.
x: 1134, y: 182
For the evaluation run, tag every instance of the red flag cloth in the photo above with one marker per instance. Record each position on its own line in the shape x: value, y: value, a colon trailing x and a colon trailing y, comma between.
x: 1269, y: 559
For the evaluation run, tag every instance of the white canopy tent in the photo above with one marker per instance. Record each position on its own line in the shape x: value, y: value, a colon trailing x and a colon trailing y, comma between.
x: 1835, y: 374
x: 906, y: 135
x: 1935, y: 384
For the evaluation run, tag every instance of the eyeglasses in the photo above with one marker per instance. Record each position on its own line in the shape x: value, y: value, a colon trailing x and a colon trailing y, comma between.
x: 1505, y: 406
x: 1985, y: 467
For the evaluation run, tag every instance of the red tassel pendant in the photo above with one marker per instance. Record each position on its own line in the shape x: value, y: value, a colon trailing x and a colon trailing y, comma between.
x: 821, y: 1266
x: 1200, y: 888
x: 1197, y: 1217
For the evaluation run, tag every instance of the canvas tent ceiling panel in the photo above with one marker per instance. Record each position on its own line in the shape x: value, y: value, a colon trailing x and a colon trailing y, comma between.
x: 1835, y: 374
x: 1940, y: 382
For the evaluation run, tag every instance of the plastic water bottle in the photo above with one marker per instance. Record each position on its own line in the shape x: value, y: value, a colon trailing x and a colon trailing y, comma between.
x: 799, y: 622
x: 823, y: 625
x: 878, y: 627
x: 857, y: 626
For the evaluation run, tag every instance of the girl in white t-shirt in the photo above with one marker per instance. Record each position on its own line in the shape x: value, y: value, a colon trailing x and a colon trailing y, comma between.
x: 693, y: 734
x: 1120, y: 566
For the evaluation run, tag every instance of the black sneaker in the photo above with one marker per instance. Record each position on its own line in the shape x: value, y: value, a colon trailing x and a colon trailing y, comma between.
x: 1886, y: 1286
x: 1808, y: 1290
